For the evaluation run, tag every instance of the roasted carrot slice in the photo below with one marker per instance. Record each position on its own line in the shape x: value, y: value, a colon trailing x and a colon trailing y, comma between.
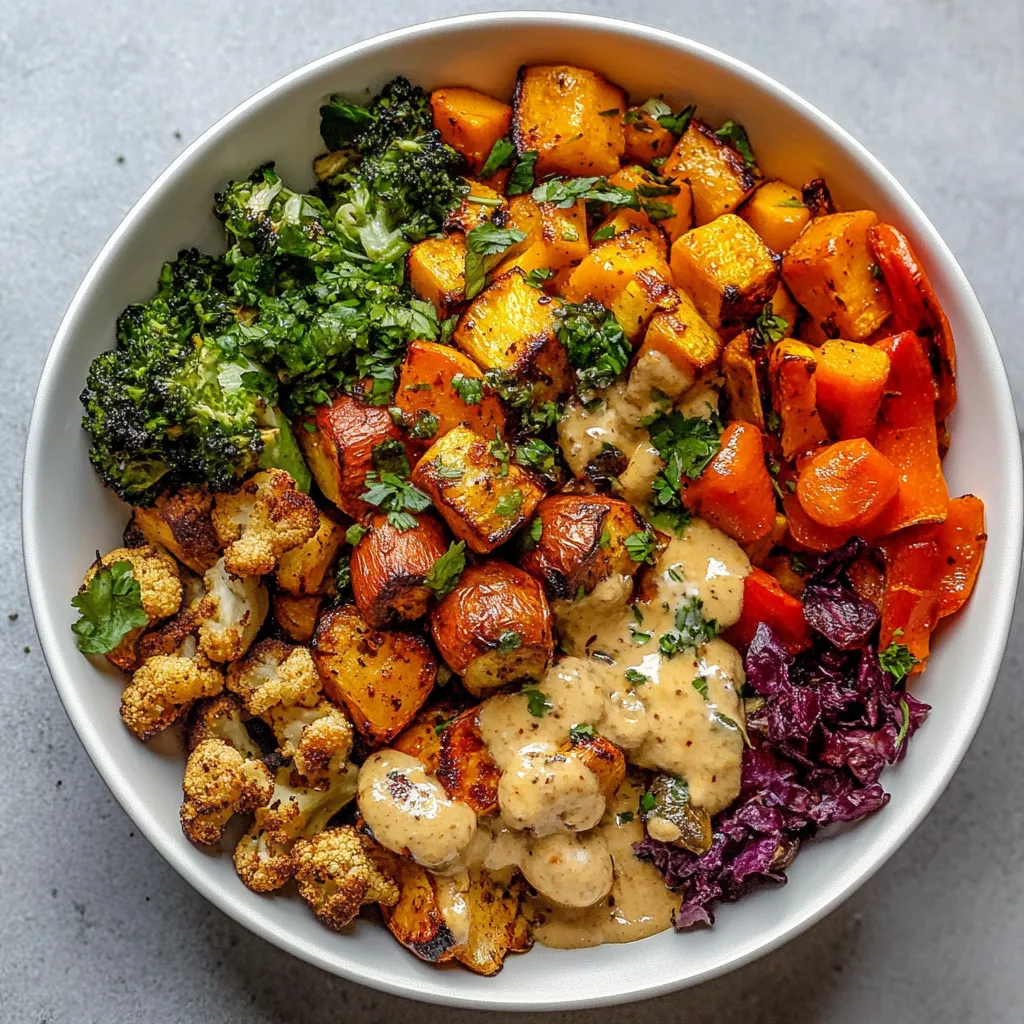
x: 764, y: 600
x: 805, y: 533
x: 910, y: 606
x: 907, y: 437
x: 847, y: 485
x: 850, y: 379
x: 915, y: 307
x: 961, y: 547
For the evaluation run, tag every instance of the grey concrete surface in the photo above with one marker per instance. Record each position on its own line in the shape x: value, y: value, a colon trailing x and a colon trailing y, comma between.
x: 95, y: 99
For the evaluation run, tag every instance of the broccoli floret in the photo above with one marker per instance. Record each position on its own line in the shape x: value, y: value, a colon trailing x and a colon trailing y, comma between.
x: 595, y: 343
x: 399, y: 110
x: 171, y: 405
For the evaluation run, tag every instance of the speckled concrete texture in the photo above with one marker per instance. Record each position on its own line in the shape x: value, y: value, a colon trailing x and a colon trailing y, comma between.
x: 95, y: 100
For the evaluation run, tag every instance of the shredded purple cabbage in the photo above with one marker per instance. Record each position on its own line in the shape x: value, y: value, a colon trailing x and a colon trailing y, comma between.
x: 830, y: 721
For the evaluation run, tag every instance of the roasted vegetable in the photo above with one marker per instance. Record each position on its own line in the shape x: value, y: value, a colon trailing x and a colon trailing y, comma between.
x: 494, y: 628
x: 727, y: 270
x: 672, y: 818
x: 437, y: 272
x: 777, y: 213
x: 742, y: 373
x: 666, y: 201
x: 685, y: 337
x: 470, y: 122
x: 612, y: 265
x: 382, y: 677
x: 961, y: 542
x: 850, y: 380
x: 577, y: 540
x: 847, y: 485
x: 599, y: 755
x: 556, y: 236
x: 297, y: 616
x: 557, y: 114
x: 390, y: 568
x: 764, y: 600
x: 795, y: 397
x: 305, y: 568
x: 828, y: 270
x: 496, y: 926
x: 482, y: 497
x: 646, y: 138
x: 180, y: 522
x: 480, y: 204
x: 464, y: 764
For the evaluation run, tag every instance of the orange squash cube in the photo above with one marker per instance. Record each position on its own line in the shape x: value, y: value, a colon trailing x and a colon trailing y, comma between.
x: 437, y: 272
x: 776, y: 211
x: 470, y: 122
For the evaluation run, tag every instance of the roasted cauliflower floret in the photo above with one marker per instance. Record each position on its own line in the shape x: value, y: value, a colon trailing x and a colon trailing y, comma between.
x: 263, y: 857
x: 163, y: 688
x: 336, y: 876
x: 221, y: 718
x: 220, y: 781
x: 318, y: 739
x: 274, y: 673
x: 263, y: 519
x: 230, y: 614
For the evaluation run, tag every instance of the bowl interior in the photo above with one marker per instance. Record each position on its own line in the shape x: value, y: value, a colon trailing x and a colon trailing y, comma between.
x: 68, y: 515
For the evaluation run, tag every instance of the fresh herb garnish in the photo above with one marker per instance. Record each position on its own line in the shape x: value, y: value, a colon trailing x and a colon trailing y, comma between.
x: 636, y: 677
x: 687, y: 445
x: 581, y: 732
x: 904, y: 723
x: 897, y: 660
x: 469, y: 389
x: 692, y: 629
x: 700, y: 684
x: 355, y: 533
x: 736, y: 134
x: 662, y: 113
x: 793, y: 202
x: 602, y: 234
x: 110, y: 608
x: 509, y: 641
x: 445, y: 572
x: 533, y: 534
x: 442, y: 724
x: 501, y: 155
x: 641, y: 546
x: 595, y: 343
x: 610, y: 112
x: 647, y: 802
x: 770, y: 327
x: 501, y: 452
x: 485, y: 246
x: 425, y: 426
x: 390, y: 457
x: 390, y: 493
x: 624, y: 817
x: 509, y: 504
x: 536, y: 277
x: 520, y: 181
x: 537, y: 703
x: 537, y: 455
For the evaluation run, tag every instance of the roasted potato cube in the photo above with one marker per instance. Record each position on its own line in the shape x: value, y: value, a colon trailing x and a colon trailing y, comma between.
x: 437, y: 272
x: 470, y: 122
x: 494, y: 628
x: 425, y: 386
x: 719, y: 178
x: 602, y: 757
x: 776, y: 211
x: 610, y: 266
x: 728, y: 271
x: 649, y: 186
x: 297, y: 615
x: 828, y: 271
x: 390, y: 566
x: 302, y: 570
x: 483, y: 500
x: 383, y: 678
x: 743, y: 380
x: 482, y: 203
x: 182, y: 523
x: 465, y: 767
x: 795, y: 396
x: 340, y: 450
x: 581, y: 542
x: 556, y: 112
x: 685, y: 337
x: 624, y: 219
x: 422, y: 739
x: 555, y: 237
x: 510, y: 326
x: 646, y: 140
x: 496, y: 927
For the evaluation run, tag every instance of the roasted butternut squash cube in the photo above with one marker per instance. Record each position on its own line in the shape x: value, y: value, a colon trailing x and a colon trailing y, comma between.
x: 556, y: 112
x: 673, y: 212
x: 425, y: 385
x: 776, y: 211
x: 181, y: 521
x: 719, y: 178
x: 470, y: 122
x: 642, y: 297
x: 742, y: 375
x: 555, y: 237
x: 795, y: 396
x: 510, y: 326
x: 624, y: 219
x: 482, y: 203
x: 483, y: 499
x: 728, y: 271
x: 437, y: 272
x: 646, y: 140
x: 609, y: 267
x: 303, y: 569
x: 784, y: 306
x: 828, y: 271
x: 685, y: 337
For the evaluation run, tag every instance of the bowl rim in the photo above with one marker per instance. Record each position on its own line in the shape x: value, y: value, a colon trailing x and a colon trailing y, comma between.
x: 1000, y: 614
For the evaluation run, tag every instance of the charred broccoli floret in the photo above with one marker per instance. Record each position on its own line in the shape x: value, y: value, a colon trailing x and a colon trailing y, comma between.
x: 170, y: 405
x: 336, y: 877
x: 399, y: 110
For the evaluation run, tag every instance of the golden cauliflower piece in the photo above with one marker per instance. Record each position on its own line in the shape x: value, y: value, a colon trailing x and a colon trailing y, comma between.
x: 221, y: 718
x: 336, y: 876
x: 163, y: 688
x: 263, y: 857
x: 263, y: 519
x: 220, y: 781
x: 318, y: 739
x: 274, y: 673
x: 230, y: 614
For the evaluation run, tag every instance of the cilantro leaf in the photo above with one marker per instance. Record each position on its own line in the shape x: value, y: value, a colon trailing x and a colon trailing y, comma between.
x: 641, y: 546
x: 647, y: 802
x: 533, y: 534
x: 897, y: 660
x: 425, y: 426
x: 444, y: 574
x: 792, y: 202
x: 581, y: 732
x: 604, y: 233
x: 595, y: 343
x: 537, y: 702
x: 501, y: 155
x: 736, y: 135
x: 624, y: 817
x: 770, y: 327
x: 537, y: 455
x: 110, y: 607
x: 691, y: 628
x: 469, y: 389
x: 536, y: 277
x: 700, y: 684
x: 520, y: 181
x: 485, y: 245
x: 687, y: 444
x: 509, y: 504
x: 355, y: 533
x: 390, y: 493
x: 509, y: 641
x: 904, y: 724
x: 636, y: 677
x: 390, y: 457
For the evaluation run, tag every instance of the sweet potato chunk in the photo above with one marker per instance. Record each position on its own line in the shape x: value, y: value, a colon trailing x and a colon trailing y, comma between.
x: 646, y: 139
x: 743, y: 380
x: 437, y: 272
x: 717, y: 174
x: 728, y: 271
x: 649, y: 187
x: 302, y: 570
x: 297, y: 615
x: 470, y: 122
x: 464, y: 765
x: 850, y: 382
x: 425, y: 386
x: 580, y: 541
x: 383, y: 678
x: 685, y: 337
x: 510, y: 326
x: 483, y: 500
x: 340, y: 450
x: 828, y: 270
x: 612, y: 265
x: 776, y: 211
x: 181, y: 522
x: 390, y: 566
x: 557, y: 114
x: 794, y: 396
x: 482, y: 203
x: 494, y: 628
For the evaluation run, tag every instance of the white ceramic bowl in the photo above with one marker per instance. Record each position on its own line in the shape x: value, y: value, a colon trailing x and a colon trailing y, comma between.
x: 68, y: 515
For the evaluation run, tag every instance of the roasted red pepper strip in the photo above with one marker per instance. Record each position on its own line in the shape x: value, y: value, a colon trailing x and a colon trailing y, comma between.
x: 915, y: 307
x: 907, y: 437
x: 961, y: 546
x: 910, y: 606
x: 764, y: 600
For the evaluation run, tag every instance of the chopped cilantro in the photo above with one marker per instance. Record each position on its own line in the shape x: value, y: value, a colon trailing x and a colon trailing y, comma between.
x: 793, y: 202
x: 520, y: 181
x: 509, y: 641
x: 501, y: 453
x: 602, y: 234
x: 647, y: 802
x: 636, y: 677
x: 904, y: 723
x: 641, y: 546
x: 581, y: 732
x: 624, y: 817
x: 501, y: 155
x: 110, y: 607
x: 537, y: 703
x: 425, y: 426
x: 770, y: 327
x: 700, y: 684
x: 736, y: 134
x: 469, y: 389
x: 897, y: 660
x: 355, y: 533
x: 692, y: 629
x: 445, y: 572
x: 531, y: 538
x: 536, y: 277
x: 485, y: 245
x: 537, y: 455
